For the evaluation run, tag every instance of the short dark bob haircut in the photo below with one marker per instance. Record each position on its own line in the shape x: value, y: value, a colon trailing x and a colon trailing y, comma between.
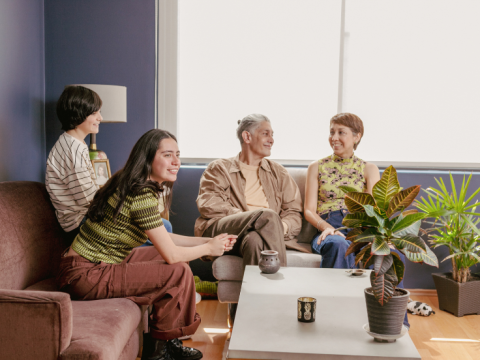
x: 76, y: 104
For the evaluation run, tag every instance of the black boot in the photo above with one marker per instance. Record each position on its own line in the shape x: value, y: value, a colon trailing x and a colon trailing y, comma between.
x: 180, y: 352
x: 154, y: 349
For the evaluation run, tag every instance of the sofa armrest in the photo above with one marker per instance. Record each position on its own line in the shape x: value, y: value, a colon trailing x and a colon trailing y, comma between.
x: 34, y: 324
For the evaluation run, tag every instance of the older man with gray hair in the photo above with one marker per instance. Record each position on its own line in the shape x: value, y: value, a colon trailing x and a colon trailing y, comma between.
x: 250, y: 196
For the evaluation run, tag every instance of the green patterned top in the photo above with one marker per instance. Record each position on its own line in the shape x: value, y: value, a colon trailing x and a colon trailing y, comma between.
x: 334, y: 171
x: 112, y: 242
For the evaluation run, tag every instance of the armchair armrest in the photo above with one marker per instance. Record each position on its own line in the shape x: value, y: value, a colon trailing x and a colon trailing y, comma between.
x: 34, y: 324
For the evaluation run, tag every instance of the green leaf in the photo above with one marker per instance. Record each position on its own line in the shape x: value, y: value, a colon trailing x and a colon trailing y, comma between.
x: 382, y: 263
x: 353, y: 248
x: 408, y: 221
x: 402, y: 200
x: 380, y: 246
x: 355, y: 201
x: 364, y: 253
x: 352, y: 234
x: 410, y: 242
x: 411, y: 230
x: 408, y: 212
x: 358, y: 220
x: 367, y: 236
x: 372, y: 213
x: 383, y: 285
x: 386, y: 188
x: 347, y: 189
x: 427, y: 257
x: 398, y: 266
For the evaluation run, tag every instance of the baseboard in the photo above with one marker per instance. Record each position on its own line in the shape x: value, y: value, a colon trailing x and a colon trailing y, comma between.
x: 423, y: 292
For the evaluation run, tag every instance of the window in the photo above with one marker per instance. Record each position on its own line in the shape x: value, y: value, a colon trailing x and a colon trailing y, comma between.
x: 409, y: 69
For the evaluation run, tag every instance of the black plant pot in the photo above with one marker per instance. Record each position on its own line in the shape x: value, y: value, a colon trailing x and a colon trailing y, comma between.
x: 386, y: 319
x: 457, y: 298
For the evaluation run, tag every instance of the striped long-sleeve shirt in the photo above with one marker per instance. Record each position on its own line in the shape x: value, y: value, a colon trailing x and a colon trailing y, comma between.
x: 70, y: 180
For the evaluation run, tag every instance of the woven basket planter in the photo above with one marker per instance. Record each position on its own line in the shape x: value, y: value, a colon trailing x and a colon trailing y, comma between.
x: 456, y: 298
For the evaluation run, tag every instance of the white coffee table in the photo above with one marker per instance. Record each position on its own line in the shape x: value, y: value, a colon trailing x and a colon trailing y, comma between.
x: 266, y: 325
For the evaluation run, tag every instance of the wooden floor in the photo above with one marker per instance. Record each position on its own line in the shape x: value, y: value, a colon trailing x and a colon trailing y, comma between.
x: 440, y: 336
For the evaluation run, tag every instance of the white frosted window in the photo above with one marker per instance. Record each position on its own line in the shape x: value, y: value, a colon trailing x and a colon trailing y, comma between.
x: 412, y: 73
x: 279, y: 58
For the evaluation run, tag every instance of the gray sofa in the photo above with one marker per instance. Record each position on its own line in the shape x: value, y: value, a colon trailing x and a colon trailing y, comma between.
x: 228, y: 269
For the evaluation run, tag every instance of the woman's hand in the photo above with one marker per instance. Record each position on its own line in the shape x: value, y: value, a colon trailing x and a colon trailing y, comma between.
x: 221, y: 243
x: 326, y: 232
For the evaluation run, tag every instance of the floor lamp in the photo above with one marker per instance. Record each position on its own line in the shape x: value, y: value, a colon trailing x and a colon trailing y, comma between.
x: 114, y: 110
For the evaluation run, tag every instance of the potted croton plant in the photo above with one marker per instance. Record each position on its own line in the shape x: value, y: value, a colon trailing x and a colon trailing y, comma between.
x: 455, y: 226
x: 380, y: 223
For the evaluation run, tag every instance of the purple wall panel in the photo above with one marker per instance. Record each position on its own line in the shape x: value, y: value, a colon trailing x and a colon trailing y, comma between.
x: 22, y: 90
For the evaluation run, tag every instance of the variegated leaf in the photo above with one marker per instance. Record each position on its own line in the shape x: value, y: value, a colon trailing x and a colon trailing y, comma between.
x: 398, y: 266
x: 427, y: 257
x: 402, y: 200
x: 364, y: 253
x: 410, y: 243
x: 355, y: 201
x: 367, y: 236
x: 352, y: 234
x: 382, y: 263
x: 408, y: 221
x: 358, y: 220
x: 383, y: 285
x: 380, y: 246
x: 386, y: 188
x: 353, y: 248
x: 371, y: 211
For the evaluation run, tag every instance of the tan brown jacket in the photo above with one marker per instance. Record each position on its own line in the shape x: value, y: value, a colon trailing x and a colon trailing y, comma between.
x: 222, y: 193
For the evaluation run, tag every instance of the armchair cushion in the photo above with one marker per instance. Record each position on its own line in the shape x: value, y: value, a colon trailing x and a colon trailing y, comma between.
x: 34, y: 324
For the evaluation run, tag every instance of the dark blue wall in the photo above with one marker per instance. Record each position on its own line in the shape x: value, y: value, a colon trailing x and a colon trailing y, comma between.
x: 417, y: 276
x: 109, y: 42
x: 22, y: 90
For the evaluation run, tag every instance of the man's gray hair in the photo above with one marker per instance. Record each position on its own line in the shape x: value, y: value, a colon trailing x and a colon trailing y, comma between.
x: 250, y: 123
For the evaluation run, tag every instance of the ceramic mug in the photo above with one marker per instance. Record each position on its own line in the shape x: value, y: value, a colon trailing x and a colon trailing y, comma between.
x: 307, y: 307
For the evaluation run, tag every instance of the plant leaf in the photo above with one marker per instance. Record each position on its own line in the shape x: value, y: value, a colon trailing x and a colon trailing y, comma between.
x: 347, y: 189
x: 409, y: 242
x: 402, y: 200
x: 408, y: 221
x: 352, y: 234
x: 383, y: 285
x: 427, y: 257
x: 372, y: 213
x: 365, y: 252
x: 358, y: 220
x: 380, y: 246
x: 355, y: 201
x: 353, y: 248
x: 367, y: 236
x: 382, y: 263
x: 386, y: 188
x: 398, y: 266
x: 408, y: 212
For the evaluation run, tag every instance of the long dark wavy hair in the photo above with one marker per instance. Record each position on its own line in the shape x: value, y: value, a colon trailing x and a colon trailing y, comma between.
x: 133, y: 178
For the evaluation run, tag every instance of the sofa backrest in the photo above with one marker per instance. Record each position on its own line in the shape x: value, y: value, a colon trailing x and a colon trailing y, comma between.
x: 300, y: 177
x: 31, y: 240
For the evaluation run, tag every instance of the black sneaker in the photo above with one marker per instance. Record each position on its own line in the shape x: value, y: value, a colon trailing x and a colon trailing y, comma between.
x: 155, y: 349
x: 180, y: 352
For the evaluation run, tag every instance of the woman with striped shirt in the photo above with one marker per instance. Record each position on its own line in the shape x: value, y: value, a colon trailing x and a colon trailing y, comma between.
x: 70, y: 178
x: 105, y: 260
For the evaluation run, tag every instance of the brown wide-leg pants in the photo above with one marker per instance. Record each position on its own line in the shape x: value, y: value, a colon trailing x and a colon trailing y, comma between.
x: 257, y: 230
x: 143, y: 277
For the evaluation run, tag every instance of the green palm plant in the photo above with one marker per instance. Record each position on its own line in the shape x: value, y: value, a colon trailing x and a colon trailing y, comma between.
x: 380, y: 223
x: 455, y: 224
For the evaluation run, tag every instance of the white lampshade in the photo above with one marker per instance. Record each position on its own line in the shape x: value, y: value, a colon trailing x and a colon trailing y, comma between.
x: 114, y: 99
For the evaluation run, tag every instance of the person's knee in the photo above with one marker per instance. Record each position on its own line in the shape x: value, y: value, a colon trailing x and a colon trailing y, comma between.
x: 252, y: 241
x: 182, y: 269
x: 269, y: 214
x: 337, y: 242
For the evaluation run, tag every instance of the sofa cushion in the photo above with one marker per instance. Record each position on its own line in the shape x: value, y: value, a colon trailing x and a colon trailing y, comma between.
x: 302, y: 259
x: 102, y: 328
x: 44, y: 285
x: 229, y: 291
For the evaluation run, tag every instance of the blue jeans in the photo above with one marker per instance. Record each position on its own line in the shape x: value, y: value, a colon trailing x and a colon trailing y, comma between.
x: 168, y: 227
x: 334, y: 247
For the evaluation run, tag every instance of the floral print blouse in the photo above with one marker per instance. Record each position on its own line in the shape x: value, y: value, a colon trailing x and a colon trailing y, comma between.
x: 334, y: 171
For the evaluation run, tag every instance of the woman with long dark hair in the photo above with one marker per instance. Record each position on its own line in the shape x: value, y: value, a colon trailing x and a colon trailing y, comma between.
x: 105, y: 260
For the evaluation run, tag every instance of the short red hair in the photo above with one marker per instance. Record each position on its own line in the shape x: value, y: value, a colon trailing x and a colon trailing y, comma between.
x: 352, y: 121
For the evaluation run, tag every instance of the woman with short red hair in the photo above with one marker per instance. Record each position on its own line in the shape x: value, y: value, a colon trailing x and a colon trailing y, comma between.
x: 324, y: 201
